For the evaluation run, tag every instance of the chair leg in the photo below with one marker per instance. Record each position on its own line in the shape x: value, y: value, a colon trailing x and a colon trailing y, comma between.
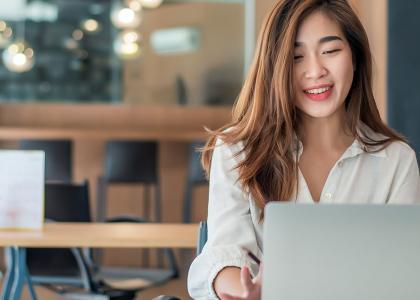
x: 146, y: 202
x: 146, y: 213
x: 101, y: 208
x: 101, y: 201
x: 158, y: 219
x: 21, y: 274
x: 158, y: 204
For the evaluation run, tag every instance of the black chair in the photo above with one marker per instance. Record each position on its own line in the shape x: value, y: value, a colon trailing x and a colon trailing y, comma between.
x: 131, y: 162
x: 195, y: 177
x: 58, y: 157
x: 67, y: 270
x: 202, y: 236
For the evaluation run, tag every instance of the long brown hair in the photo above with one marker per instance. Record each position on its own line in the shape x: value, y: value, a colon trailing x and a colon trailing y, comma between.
x: 264, y: 116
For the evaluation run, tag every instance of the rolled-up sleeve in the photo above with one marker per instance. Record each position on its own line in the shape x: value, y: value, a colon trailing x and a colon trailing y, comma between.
x: 230, y: 225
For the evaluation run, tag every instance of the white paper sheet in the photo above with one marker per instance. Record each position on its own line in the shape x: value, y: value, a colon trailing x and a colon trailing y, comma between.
x: 22, y: 189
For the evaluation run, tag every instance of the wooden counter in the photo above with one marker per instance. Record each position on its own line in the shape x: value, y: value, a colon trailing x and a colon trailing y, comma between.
x: 14, y: 133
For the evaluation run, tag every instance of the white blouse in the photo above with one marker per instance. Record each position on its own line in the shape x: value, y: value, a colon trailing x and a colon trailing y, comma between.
x: 388, y: 176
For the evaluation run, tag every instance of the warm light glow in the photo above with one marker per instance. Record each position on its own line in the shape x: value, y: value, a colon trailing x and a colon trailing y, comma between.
x: 77, y: 34
x: 124, y: 16
x: 151, y: 3
x: 5, y: 34
x: 130, y: 37
x: 29, y: 52
x: 18, y: 57
x: 135, y: 5
x: 90, y: 25
x: 127, y: 44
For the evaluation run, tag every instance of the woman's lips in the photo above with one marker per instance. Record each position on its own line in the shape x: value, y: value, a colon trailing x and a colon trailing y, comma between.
x: 320, y: 97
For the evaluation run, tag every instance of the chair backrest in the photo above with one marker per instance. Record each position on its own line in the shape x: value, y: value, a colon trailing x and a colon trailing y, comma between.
x: 202, y: 236
x: 67, y: 202
x: 58, y: 157
x: 64, y: 202
x: 131, y: 162
x: 196, y: 174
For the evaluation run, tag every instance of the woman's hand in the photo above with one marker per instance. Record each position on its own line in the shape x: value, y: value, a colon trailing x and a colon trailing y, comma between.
x: 251, y: 287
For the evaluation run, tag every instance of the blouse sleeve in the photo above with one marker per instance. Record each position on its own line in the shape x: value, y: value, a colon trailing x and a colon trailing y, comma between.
x: 406, y: 184
x: 230, y: 226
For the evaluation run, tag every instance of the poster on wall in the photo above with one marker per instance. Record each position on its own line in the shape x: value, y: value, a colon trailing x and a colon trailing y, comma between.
x: 21, y: 189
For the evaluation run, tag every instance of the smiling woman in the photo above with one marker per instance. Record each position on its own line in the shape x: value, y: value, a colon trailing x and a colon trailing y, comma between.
x: 305, y: 129
x: 323, y: 66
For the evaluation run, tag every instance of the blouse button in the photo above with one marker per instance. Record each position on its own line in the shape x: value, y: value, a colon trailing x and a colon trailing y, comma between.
x: 340, y: 164
x: 328, y: 196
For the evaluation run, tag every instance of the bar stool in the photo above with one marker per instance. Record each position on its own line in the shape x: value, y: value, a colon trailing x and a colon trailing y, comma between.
x: 130, y: 162
x: 195, y: 177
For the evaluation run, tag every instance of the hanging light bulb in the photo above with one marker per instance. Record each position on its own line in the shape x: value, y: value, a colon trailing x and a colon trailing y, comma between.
x: 151, y: 3
x: 91, y: 25
x: 127, y: 14
x: 18, y: 57
x: 127, y: 44
x: 5, y: 34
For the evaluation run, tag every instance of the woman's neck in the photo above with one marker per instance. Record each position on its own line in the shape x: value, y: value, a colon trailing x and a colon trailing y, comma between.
x: 325, y: 134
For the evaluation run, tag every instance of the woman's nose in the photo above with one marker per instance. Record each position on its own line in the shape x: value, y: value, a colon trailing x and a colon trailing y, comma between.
x: 315, y: 69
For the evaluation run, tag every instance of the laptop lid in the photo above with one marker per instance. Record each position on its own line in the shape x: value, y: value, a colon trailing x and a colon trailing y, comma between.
x: 332, y: 252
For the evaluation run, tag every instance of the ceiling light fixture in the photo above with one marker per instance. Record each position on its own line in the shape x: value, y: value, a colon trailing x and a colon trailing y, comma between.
x: 127, y: 44
x: 5, y: 34
x: 126, y: 14
x: 18, y: 57
x: 151, y: 3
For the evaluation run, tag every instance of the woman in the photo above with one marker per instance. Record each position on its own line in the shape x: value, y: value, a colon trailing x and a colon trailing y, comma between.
x: 305, y: 129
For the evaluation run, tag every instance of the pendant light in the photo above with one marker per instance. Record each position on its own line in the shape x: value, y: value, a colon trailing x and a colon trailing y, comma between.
x: 126, y: 14
x: 151, y: 3
x: 127, y: 44
x: 5, y: 34
x: 19, y: 56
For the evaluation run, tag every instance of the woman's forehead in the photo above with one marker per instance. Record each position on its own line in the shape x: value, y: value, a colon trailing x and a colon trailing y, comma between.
x: 315, y: 27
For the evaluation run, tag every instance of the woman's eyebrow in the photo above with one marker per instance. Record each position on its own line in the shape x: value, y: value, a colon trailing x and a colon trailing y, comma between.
x: 329, y: 38
x: 323, y: 40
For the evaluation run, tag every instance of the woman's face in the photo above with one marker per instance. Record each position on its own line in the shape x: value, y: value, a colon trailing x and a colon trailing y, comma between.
x: 323, y: 67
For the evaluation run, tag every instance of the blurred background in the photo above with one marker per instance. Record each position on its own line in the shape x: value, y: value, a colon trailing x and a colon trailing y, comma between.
x: 94, y: 71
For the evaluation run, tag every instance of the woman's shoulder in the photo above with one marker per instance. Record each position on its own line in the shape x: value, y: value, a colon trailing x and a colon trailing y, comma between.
x: 227, y: 150
x: 400, y: 149
x: 222, y: 142
x: 396, y: 148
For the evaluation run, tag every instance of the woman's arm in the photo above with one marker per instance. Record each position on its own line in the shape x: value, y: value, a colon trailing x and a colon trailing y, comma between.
x: 230, y: 227
x: 228, y: 281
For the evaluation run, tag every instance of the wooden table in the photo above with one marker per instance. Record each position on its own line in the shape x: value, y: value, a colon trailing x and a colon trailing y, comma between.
x: 59, y: 235
x: 187, y: 135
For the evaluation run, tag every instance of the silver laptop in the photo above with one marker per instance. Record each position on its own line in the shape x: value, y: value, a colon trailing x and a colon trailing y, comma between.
x: 340, y: 252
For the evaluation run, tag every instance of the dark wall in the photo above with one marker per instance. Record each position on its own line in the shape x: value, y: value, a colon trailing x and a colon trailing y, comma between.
x: 404, y: 68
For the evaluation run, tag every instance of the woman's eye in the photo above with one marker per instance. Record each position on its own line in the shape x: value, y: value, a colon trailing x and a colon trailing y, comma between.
x: 331, y: 51
x: 297, y: 57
